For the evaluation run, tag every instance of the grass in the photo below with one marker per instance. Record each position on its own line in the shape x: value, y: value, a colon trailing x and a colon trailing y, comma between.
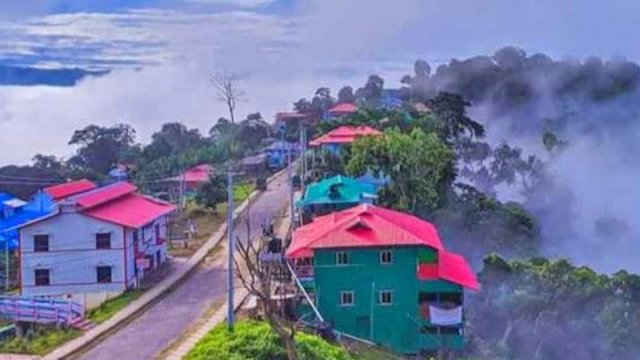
x: 45, y: 340
x: 110, y: 307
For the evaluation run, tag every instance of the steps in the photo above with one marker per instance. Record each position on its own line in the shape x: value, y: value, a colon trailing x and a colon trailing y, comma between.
x: 81, y: 323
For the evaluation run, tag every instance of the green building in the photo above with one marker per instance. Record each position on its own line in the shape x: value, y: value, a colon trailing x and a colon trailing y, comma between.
x: 336, y: 193
x: 383, y: 276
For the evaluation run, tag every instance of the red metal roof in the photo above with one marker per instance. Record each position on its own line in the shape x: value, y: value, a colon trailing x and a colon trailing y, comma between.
x: 371, y: 226
x: 344, y: 108
x: 61, y: 191
x: 454, y: 267
x: 132, y: 210
x: 104, y: 194
x: 362, y: 226
x: 196, y: 174
x: 344, y: 135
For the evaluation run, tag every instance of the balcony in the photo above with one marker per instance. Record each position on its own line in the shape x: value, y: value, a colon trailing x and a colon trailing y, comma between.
x: 303, y: 272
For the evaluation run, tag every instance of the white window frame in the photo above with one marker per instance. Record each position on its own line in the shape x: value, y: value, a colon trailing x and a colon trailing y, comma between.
x: 381, y: 294
x: 353, y: 298
x: 346, y: 257
x: 382, y: 253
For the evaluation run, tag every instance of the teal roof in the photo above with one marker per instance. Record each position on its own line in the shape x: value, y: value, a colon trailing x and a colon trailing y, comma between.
x: 337, y: 190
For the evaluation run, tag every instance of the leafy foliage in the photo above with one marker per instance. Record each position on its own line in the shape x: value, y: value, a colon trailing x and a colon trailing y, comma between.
x: 252, y: 340
x: 543, y: 309
x: 420, y: 166
x: 212, y: 193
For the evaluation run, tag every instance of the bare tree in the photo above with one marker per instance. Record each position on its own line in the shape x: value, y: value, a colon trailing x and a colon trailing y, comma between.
x: 226, y: 85
x: 258, y: 278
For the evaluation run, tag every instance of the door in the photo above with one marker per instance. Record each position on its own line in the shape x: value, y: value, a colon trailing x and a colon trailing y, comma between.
x: 363, y: 327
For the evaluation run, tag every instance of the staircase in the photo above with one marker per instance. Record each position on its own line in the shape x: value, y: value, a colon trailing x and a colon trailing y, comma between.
x: 81, y: 323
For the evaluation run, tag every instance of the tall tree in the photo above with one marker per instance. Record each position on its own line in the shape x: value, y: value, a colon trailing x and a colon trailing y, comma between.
x: 173, y: 138
x: 346, y: 95
x: 100, y: 148
x: 229, y: 92
x: 420, y: 166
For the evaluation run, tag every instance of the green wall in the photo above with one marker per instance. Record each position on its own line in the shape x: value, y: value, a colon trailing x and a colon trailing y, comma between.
x: 396, y: 325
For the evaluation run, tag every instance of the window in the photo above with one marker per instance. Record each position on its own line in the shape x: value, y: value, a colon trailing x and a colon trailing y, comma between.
x: 41, y: 243
x: 346, y: 298
x: 42, y: 277
x: 342, y: 258
x: 103, y: 274
x: 103, y: 241
x: 452, y: 298
x: 385, y: 297
x: 385, y: 257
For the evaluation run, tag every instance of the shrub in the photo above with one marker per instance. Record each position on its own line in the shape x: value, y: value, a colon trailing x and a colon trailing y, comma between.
x: 252, y: 340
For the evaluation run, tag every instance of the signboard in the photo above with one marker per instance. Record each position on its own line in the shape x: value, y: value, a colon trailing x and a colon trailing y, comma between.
x: 143, y: 263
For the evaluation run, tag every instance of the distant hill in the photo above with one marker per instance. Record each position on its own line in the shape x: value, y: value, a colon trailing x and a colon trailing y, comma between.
x: 29, y: 76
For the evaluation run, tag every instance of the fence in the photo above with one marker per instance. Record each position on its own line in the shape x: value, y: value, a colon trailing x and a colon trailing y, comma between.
x: 39, y: 310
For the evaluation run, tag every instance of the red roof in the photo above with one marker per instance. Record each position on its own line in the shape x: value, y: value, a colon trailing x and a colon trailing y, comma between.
x: 362, y: 226
x: 454, y: 267
x: 344, y: 135
x: 104, y: 194
x: 131, y: 210
x: 61, y: 191
x: 197, y: 174
x: 344, y: 108
x: 372, y: 226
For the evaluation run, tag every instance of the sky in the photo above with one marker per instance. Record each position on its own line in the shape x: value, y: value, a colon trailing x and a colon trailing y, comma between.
x: 162, y: 53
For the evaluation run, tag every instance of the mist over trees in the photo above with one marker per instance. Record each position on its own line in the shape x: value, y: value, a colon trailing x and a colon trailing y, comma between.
x: 515, y: 155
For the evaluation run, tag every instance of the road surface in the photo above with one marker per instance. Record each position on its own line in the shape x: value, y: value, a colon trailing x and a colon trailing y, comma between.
x: 146, y: 336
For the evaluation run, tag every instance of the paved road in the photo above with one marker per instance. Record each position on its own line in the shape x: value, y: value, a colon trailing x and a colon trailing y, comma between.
x: 154, y: 330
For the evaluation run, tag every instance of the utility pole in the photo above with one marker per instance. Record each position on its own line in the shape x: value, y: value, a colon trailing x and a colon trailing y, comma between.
x: 6, y: 263
x: 291, y: 190
x: 232, y: 247
x: 182, y: 189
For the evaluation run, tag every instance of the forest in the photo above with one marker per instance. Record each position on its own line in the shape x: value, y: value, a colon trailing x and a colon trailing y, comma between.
x: 480, y: 158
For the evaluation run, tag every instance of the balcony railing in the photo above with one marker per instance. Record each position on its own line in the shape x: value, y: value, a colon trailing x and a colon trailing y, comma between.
x: 304, y: 271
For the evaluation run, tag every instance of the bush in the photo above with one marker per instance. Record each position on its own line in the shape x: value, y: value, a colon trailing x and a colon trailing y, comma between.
x: 253, y: 340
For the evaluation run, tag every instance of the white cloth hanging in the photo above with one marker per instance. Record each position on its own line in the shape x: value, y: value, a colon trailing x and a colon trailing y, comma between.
x: 445, y: 317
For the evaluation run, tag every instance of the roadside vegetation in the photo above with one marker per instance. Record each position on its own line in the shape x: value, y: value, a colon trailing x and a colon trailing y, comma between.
x: 110, y: 307
x: 252, y: 340
x: 43, y: 340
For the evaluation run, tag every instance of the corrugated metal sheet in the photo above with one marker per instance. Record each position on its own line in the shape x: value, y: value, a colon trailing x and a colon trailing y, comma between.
x: 104, y: 194
x: 344, y: 134
x: 133, y: 211
x: 61, y: 191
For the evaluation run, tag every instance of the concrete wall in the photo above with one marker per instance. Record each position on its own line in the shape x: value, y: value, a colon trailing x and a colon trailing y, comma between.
x: 72, y: 257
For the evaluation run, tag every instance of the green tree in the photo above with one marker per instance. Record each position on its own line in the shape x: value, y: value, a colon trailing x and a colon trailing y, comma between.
x: 100, y: 148
x: 420, y: 166
x: 212, y: 193
x: 452, y: 121
x: 172, y: 138
x: 346, y: 95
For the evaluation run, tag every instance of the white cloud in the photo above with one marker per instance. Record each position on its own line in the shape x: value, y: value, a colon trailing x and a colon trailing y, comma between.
x: 238, y: 3
x: 273, y: 54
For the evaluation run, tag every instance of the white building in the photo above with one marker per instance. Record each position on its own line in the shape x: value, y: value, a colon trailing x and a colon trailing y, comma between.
x: 95, y: 246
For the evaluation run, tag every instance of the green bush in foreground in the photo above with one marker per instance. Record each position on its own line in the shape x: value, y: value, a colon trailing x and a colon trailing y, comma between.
x: 253, y: 340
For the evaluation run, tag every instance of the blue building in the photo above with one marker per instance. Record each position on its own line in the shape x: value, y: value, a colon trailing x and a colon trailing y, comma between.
x: 15, y: 212
x: 277, y: 153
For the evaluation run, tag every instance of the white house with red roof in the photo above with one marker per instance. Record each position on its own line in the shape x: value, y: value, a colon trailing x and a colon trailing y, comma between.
x: 95, y: 245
